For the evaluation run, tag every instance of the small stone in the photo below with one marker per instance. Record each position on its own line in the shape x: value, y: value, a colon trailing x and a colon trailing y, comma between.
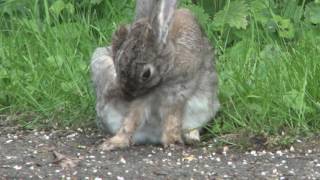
x: 16, y: 167
x: 122, y: 160
x: 244, y: 162
x: 8, y: 141
x: 274, y: 171
x: 292, y: 149
x: 254, y: 153
x: 120, y: 178
x: 46, y: 137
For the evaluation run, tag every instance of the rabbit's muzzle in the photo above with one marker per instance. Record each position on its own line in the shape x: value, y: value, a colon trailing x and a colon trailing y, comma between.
x: 140, y: 81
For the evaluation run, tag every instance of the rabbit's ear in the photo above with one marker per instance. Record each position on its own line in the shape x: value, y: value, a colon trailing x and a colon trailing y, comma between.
x: 162, y: 19
x: 118, y: 38
x: 144, y: 8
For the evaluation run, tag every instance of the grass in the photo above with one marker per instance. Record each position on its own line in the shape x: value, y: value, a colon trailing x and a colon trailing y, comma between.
x: 269, y: 82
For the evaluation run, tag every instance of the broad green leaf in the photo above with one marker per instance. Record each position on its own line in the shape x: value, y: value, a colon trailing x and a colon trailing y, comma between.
x: 285, y: 27
x: 3, y: 72
x: 312, y: 12
x: 270, y: 52
x: 233, y: 14
x: 57, y: 7
x: 70, y: 8
x: 260, y: 11
x: 295, y: 100
x: 95, y: 2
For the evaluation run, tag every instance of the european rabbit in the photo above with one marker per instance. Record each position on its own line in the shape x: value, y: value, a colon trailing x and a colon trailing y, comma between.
x: 157, y: 83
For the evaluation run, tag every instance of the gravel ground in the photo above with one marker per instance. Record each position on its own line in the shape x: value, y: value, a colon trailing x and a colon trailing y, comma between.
x: 71, y: 154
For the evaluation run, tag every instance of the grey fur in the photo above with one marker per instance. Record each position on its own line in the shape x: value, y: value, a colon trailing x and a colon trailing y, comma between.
x: 185, y: 75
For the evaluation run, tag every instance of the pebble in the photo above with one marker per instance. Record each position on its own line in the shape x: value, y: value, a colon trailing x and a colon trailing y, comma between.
x: 16, y: 167
x: 254, y: 153
x: 292, y: 149
x: 122, y: 160
x: 8, y: 141
x: 120, y: 178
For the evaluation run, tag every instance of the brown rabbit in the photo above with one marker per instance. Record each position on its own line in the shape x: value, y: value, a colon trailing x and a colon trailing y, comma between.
x: 157, y: 83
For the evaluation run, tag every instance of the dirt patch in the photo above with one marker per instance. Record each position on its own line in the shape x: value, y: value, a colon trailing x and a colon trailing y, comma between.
x: 71, y: 154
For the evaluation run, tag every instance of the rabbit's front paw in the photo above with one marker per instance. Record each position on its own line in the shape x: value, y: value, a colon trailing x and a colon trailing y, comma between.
x: 116, y: 142
x: 192, y: 137
x: 171, y: 139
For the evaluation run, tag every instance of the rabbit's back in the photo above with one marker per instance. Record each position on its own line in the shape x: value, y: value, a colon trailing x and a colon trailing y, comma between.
x: 189, y: 44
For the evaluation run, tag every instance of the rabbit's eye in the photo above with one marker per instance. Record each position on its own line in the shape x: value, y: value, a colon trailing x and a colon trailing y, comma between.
x: 147, y: 72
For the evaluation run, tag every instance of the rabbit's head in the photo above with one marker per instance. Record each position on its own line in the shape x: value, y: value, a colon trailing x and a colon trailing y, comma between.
x: 143, y: 51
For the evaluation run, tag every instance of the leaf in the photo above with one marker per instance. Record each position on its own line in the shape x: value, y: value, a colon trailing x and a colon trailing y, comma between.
x: 260, y: 11
x: 285, y: 27
x: 66, y: 86
x: 233, y: 14
x: 95, y: 2
x: 295, y: 100
x: 70, y: 8
x: 270, y: 52
x: 57, y: 7
x: 312, y: 12
x: 3, y: 73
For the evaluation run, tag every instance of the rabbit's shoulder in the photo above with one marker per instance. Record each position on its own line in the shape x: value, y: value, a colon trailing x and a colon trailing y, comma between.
x: 185, y: 25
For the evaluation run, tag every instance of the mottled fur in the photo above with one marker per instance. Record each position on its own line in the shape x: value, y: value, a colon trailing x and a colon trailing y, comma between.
x: 157, y: 84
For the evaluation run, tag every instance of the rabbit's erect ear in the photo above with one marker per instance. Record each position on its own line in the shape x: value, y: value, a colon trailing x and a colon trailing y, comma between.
x: 162, y: 18
x: 118, y: 38
x: 144, y: 8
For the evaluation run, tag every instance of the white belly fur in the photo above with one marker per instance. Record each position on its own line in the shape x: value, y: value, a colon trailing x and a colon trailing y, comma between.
x: 197, y: 113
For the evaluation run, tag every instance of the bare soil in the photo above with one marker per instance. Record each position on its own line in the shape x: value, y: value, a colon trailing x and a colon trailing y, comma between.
x: 69, y: 154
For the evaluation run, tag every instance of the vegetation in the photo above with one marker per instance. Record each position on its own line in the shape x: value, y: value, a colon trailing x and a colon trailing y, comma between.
x: 268, y: 60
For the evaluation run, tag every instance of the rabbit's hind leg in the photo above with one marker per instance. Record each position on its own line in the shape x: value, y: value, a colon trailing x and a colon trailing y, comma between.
x: 171, y: 133
x: 199, y: 110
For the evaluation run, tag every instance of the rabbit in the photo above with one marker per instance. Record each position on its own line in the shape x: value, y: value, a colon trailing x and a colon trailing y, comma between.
x: 156, y: 83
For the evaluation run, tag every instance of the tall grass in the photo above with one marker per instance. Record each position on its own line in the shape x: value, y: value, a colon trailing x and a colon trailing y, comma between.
x: 268, y: 61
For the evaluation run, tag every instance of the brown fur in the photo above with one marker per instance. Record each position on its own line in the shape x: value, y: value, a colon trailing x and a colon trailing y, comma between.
x: 124, y: 135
